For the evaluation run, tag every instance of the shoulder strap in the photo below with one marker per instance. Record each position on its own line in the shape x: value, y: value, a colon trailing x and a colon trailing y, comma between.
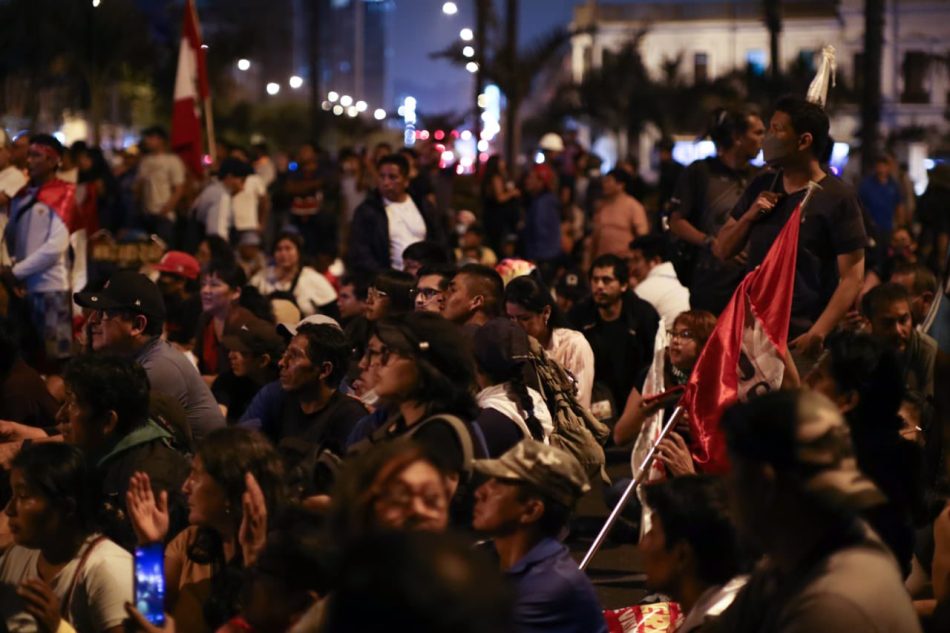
x: 461, y: 432
x: 68, y: 596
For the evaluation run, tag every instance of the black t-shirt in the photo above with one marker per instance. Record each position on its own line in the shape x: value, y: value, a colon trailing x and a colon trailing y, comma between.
x: 328, y: 428
x: 832, y: 226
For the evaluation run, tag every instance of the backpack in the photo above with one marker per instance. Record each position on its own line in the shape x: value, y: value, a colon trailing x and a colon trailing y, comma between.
x: 576, y: 430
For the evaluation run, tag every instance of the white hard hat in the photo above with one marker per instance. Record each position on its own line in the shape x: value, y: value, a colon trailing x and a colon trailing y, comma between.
x: 551, y: 142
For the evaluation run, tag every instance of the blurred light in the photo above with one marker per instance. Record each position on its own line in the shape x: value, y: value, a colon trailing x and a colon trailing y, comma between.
x: 929, y: 163
x: 482, y: 145
x: 423, y: 135
x: 483, y: 101
x: 401, y: 110
x: 468, y: 51
x: 482, y: 156
x: 346, y: 101
x: 471, y: 67
x: 325, y: 105
x: 96, y: 3
x: 273, y: 88
x: 448, y: 156
x: 455, y: 133
x: 539, y: 157
x: 439, y: 135
x: 409, y: 102
x: 450, y: 8
x: 243, y: 64
x: 204, y: 47
x: 205, y: 158
x: 338, y: 109
x: 295, y: 82
x: 292, y: 165
x: 379, y: 114
x: 332, y: 96
x: 466, y: 135
x: 459, y: 169
x: 352, y: 111
x: 361, y: 106
x: 466, y: 34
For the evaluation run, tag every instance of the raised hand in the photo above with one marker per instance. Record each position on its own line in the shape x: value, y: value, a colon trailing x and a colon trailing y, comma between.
x: 674, y: 454
x: 252, y: 535
x: 149, y: 515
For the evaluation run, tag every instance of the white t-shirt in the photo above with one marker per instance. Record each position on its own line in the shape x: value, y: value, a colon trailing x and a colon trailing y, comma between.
x: 159, y: 175
x: 11, y: 180
x: 312, y: 289
x: 244, y: 205
x: 104, y: 585
x: 572, y: 351
x: 663, y: 290
x: 406, y: 227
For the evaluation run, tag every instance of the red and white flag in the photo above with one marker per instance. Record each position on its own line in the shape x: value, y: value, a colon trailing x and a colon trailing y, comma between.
x: 744, y: 356
x: 191, y: 87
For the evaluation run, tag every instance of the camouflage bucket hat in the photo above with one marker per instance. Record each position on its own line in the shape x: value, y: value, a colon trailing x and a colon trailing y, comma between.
x: 825, y: 456
x: 552, y: 470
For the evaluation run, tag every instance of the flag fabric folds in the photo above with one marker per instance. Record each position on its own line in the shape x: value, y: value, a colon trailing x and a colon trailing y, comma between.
x: 191, y: 87
x: 745, y: 354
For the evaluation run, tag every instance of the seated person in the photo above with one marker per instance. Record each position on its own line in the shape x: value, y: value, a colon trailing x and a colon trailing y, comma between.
x: 254, y: 348
x: 221, y: 285
x: 390, y: 294
x: 24, y: 397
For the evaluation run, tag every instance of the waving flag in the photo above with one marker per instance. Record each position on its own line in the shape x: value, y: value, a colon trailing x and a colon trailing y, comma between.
x: 191, y: 87
x: 745, y: 354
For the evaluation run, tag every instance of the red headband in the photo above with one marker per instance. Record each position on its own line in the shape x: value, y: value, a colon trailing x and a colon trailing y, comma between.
x: 45, y: 149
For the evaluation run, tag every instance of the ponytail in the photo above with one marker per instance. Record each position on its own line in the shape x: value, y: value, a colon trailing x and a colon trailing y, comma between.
x: 520, y: 391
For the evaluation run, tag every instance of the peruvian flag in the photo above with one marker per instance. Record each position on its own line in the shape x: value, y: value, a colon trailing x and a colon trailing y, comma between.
x: 191, y: 87
x: 745, y: 354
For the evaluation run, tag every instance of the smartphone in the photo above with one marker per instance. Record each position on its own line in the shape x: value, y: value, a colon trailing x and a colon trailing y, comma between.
x: 668, y: 397
x: 150, y: 582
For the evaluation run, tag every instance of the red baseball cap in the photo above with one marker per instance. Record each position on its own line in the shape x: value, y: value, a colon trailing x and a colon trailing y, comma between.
x: 179, y: 263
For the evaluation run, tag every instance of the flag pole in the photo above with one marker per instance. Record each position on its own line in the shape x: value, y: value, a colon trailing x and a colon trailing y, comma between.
x: 209, y: 129
x: 631, y: 487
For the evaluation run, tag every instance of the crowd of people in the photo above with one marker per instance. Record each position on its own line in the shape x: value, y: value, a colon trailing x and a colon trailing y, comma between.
x: 340, y: 402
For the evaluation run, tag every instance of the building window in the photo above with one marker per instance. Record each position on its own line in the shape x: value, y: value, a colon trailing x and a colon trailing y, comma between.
x: 915, y: 68
x: 700, y: 68
x: 756, y: 61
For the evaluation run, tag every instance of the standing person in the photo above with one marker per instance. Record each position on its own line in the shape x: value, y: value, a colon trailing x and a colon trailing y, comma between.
x: 796, y: 493
x: 59, y: 567
x: 127, y: 319
x: 389, y: 220
x: 288, y: 277
x: 37, y: 236
x: 656, y: 280
x: 12, y: 180
x: 526, y: 502
x: 541, y: 236
x: 829, y: 268
x: 529, y: 304
x: 620, y: 218
x: 250, y: 205
x: 213, y: 209
x: 670, y: 171
x: 619, y: 326
x: 159, y: 184
x: 500, y: 201
x: 702, y: 201
x: 881, y: 195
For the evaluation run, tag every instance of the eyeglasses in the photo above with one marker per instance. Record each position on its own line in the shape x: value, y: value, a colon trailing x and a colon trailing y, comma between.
x: 683, y: 335
x: 427, y: 293
x: 374, y: 295
x: 383, y: 354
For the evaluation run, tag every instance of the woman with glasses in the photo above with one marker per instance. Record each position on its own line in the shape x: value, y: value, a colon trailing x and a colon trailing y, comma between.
x: 687, y: 337
x: 306, y: 287
x: 389, y: 295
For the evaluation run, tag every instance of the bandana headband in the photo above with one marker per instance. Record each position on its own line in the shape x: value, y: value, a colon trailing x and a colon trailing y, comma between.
x: 45, y: 149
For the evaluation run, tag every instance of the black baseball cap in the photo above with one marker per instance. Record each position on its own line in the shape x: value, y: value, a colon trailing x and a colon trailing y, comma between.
x: 126, y: 290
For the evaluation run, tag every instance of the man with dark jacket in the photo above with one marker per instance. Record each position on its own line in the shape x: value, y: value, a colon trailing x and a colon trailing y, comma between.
x: 619, y: 326
x: 389, y: 220
x: 106, y: 415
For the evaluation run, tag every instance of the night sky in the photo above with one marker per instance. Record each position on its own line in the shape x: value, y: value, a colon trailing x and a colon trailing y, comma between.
x: 420, y: 27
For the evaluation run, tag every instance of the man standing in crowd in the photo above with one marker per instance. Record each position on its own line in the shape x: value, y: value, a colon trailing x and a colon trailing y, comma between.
x: 389, y: 220
x: 541, y: 237
x: 619, y: 326
x: 250, y: 205
x: 829, y: 269
x: 213, y: 208
x: 127, y: 319
x: 702, y: 201
x: 657, y: 282
x: 530, y: 494
x: 12, y: 179
x: 797, y: 493
x: 474, y: 295
x: 160, y: 184
x: 881, y: 196
x: 887, y: 309
x: 37, y: 236
x: 619, y: 220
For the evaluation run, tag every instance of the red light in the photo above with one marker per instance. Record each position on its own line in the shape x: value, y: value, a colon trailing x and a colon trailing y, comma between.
x: 455, y: 133
x: 440, y: 147
x: 483, y: 157
x: 439, y: 135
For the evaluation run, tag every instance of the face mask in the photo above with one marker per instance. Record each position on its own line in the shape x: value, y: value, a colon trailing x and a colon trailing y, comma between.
x: 774, y: 149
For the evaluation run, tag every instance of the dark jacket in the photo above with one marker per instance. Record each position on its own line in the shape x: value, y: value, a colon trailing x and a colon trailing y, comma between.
x: 640, y: 321
x: 368, y: 250
x: 541, y: 238
x: 145, y: 449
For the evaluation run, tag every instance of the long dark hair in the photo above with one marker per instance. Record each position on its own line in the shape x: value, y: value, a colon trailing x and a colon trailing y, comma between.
x: 61, y: 474
x: 533, y: 295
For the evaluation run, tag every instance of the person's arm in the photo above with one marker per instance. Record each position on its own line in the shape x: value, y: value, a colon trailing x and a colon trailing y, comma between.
x: 263, y: 209
x: 734, y: 234
x: 851, y: 277
x: 48, y: 253
x: 503, y: 193
x: 631, y: 420
x: 638, y: 219
x: 684, y: 230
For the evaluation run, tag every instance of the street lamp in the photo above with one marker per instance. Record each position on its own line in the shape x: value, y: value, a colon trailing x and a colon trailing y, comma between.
x: 379, y: 114
x: 450, y: 8
x: 471, y: 67
x: 352, y: 112
x: 468, y: 51
x: 243, y: 64
x: 295, y: 82
x: 332, y: 96
x: 273, y: 88
x: 338, y: 109
x: 361, y: 106
x: 96, y: 3
x: 346, y: 101
x: 467, y: 35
